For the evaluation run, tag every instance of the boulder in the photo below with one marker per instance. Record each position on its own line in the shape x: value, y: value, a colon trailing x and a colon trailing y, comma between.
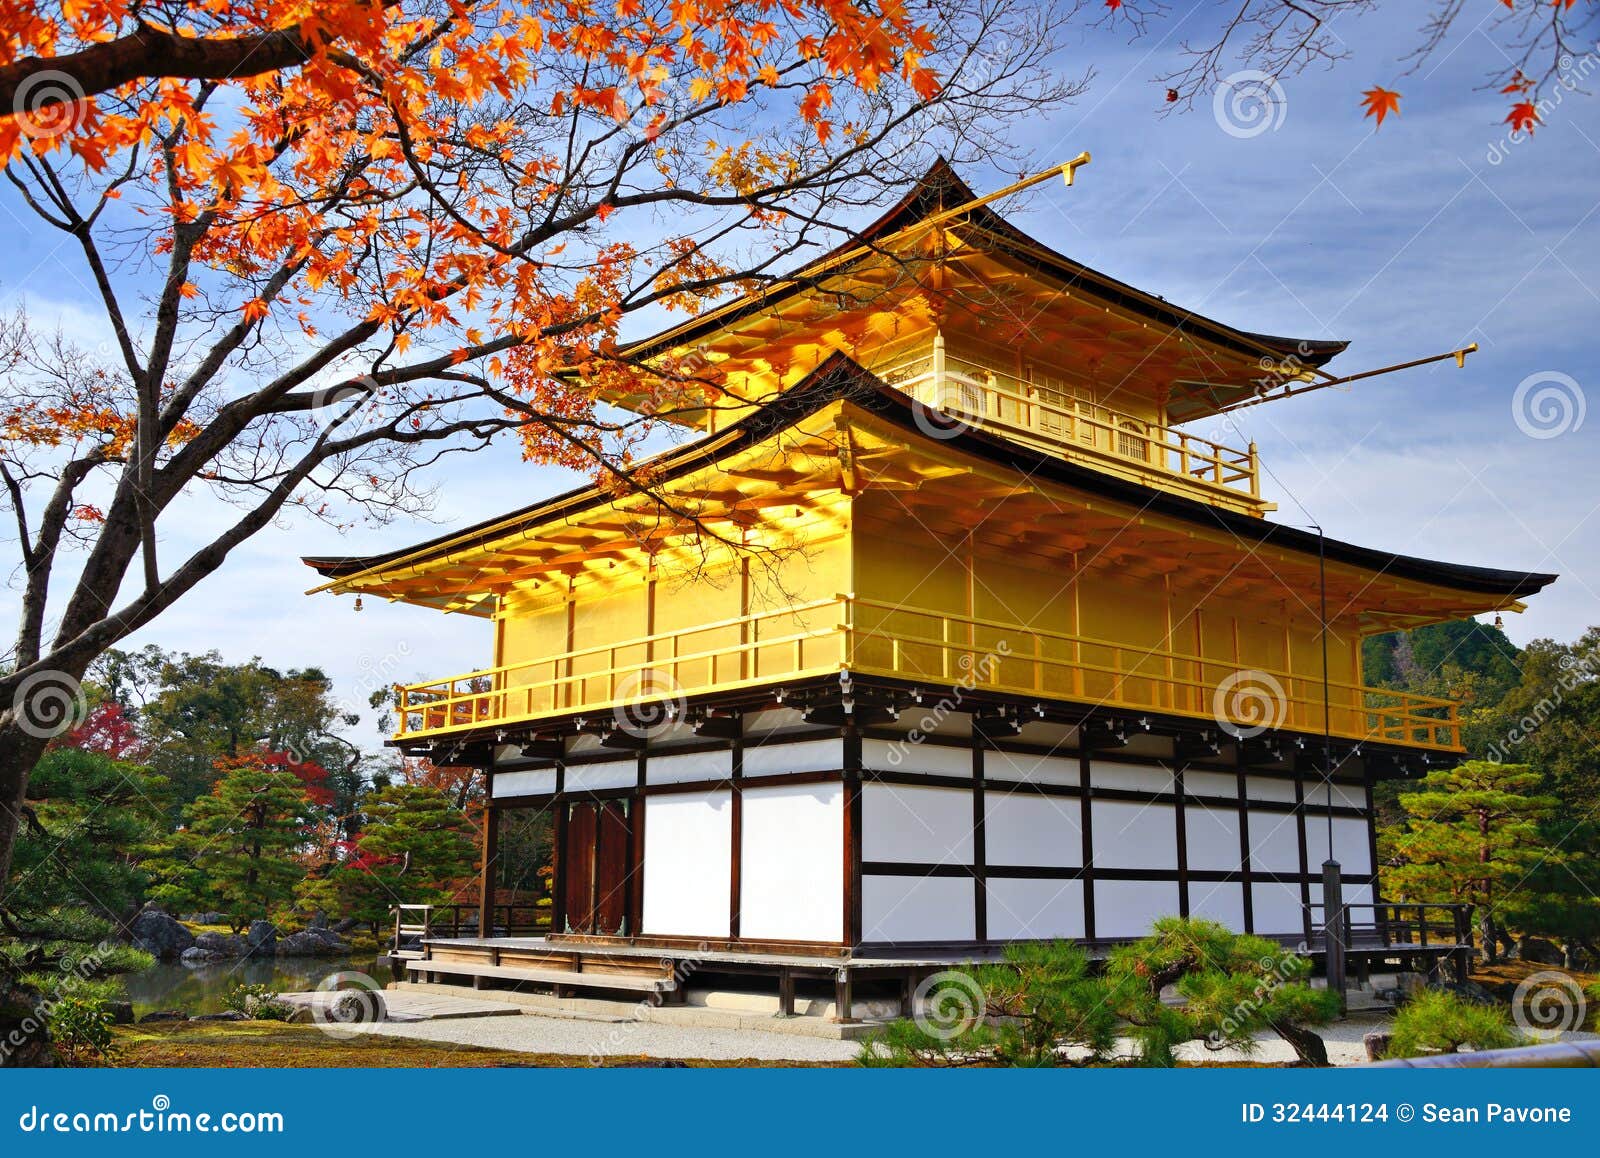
x: 224, y: 1015
x: 164, y: 1015
x: 319, y: 920
x: 345, y: 925
x: 312, y: 943
x: 121, y: 1012
x: 212, y: 918
x: 159, y: 934
x: 1539, y: 951
x: 22, y: 1029
x: 262, y: 937
x: 1377, y: 1044
x: 222, y: 944
x: 194, y: 955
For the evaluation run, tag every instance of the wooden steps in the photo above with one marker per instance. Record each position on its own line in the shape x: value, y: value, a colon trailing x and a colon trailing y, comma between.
x: 561, y: 979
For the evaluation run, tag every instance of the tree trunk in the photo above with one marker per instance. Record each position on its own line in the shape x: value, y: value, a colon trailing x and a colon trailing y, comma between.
x: 1308, y: 1046
x: 1489, y: 935
x: 20, y: 750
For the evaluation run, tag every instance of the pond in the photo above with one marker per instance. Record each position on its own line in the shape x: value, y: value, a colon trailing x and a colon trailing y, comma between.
x: 201, y: 989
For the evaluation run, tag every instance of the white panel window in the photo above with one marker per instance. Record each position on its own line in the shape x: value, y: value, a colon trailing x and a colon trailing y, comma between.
x: 1276, y: 909
x: 1351, y: 847
x: 1214, y: 785
x: 1212, y: 838
x: 1025, y: 828
x: 1028, y: 767
x: 925, y: 759
x: 1275, y: 842
x: 916, y: 825
x: 685, y: 767
x: 1129, y: 835
x: 791, y: 879
x: 597, y: 777
x: 917, y: 909
x: 803, y: 756
x: 1218, y: 901
x: 688, y: 857
x: 1020, y: 909
x: 535, y: 782
x: 1269, y: 788
x: 1138, y: 777
x: 1129, y: 908
x: 1344, y: 795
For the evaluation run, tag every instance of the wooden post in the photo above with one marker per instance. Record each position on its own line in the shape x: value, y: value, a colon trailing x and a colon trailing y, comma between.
x: 1333, y: 927
x: 491, y: 857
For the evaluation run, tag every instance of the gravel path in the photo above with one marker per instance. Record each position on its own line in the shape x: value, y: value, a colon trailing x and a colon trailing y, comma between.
x: 584, y: 1039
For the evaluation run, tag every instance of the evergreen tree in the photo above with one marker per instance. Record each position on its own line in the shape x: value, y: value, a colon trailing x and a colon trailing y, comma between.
x: 239, y: 852
x: 416, y: 849
x: 1472, y: 834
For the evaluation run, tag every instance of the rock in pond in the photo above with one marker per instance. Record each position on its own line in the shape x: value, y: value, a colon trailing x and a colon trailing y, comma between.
x: 159, y: 934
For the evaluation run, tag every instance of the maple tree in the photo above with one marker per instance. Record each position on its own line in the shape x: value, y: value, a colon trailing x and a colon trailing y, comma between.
x: 418, y: 233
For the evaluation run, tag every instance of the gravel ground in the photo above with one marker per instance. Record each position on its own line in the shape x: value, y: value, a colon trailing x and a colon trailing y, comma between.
x: 585, y: 1039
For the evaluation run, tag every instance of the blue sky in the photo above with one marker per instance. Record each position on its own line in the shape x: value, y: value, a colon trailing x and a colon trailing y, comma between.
x: 1428, y: 234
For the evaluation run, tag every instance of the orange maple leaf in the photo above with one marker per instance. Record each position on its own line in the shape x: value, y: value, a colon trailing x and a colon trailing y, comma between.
x: 1380, y: 102
x: 1523, y: 116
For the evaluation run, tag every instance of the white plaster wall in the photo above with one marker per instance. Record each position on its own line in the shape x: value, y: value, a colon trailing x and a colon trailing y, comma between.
x: 1275, y: 842
x: 1027, y: 767
x: 921, y: 825
x: 535, y: 782
x: 917, y: 908
x: 1344, y: 795
x: 1213, y: 785
x: 1350, y: 843
x: 1129, y: 908
x: 791, y: 878
x: 1218, y: 901
x: 1130, y: 835
x: 596, y: 777
x: 1139, y: 777
x: 1268, y: 788
x: 1276, y: 908
x: 688, y: 766
x: 688, y: 864
x: 1035, y: 908
x: 1025, y: 828
x: 927, y: 759
x: 1212, y: 837
x: 800, y: 756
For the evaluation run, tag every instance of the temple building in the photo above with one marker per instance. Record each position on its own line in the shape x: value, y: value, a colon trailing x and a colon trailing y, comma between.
x: 958, y: 621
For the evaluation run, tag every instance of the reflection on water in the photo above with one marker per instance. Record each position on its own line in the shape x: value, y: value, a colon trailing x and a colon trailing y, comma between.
x: 171, y: 985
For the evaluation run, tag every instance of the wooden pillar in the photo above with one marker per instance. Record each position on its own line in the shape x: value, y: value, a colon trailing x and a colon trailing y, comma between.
x: 491, y: 863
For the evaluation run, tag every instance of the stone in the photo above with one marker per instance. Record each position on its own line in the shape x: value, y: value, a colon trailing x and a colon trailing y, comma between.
x: 1377, y: 1044
x: 224, y: 1015
x: 212, y: 918
x: 345, y: 925
x: 121, y: 1012
x: 261, y: 939
x: 1539, y: 951
x: 159, y: 934
x: 194, y: 955
x: 164, y: 1015
x: 24, y: 1039
x: 319, y: 920
x: 222, y: 944
x: 312, y: 943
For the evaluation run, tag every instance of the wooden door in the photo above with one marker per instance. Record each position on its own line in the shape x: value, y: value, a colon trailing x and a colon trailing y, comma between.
x: 599, y: 848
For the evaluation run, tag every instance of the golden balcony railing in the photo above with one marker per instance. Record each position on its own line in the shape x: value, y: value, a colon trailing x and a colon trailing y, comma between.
x: 931, y: 648
x: 1084, y: 432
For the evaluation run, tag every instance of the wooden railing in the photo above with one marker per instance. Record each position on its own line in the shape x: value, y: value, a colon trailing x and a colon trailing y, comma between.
x: 414, y: 924
x: 874, y: 637
x: 1083, y: 431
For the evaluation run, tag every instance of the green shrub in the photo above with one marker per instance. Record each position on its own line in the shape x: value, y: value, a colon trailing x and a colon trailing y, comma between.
x: 1435, y: 1021
x: 258, y: 1003
x: 80, y: 1029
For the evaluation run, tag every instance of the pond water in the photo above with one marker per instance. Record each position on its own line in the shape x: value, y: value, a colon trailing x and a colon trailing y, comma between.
x: 201, y: 989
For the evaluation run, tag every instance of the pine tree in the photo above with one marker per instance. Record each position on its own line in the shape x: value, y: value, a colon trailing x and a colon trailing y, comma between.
x: 239, y: 850
x: 416, y: 848
x: 1472, y: 834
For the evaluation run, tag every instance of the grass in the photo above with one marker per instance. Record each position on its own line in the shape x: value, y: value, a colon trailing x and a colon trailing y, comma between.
x: 1502, y: 979
x: 275, y: 1045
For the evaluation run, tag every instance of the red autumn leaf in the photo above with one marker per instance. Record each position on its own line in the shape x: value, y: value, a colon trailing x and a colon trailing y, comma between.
x: 1380, y: 102
x: 1523, y: 116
